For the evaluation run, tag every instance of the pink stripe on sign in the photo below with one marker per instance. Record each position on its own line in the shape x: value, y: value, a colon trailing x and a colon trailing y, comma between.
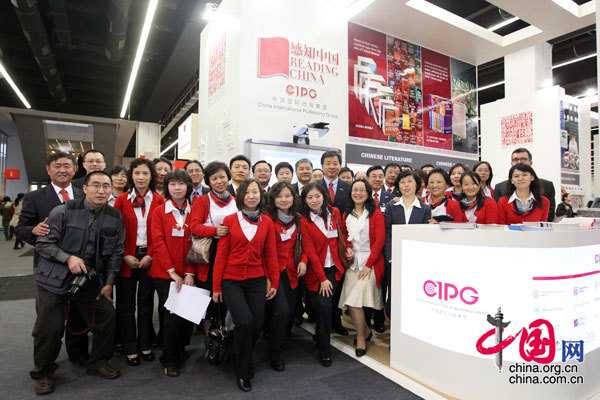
x: 554, y: 278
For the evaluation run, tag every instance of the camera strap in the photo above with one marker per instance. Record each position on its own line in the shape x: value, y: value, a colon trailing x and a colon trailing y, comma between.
x: 67, y: 315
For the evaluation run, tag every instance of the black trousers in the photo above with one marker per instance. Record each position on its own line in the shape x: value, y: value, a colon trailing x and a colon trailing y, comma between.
x: 386, y: 289
x: 176, y: 330
x: 245, y: 301
x: 50, y: 325
x: 77, y: 345
x: 336, y: 315
x: 140, y: 284
x: 323, y: 305
x: 279, y: 313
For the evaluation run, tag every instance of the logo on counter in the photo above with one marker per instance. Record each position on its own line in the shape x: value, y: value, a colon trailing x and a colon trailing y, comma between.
x: 448, y: 291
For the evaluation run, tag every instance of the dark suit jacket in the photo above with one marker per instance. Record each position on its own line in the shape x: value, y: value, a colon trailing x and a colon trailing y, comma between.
x: 296, y: 186
x: 394, y: 215
x: 547, y: 187
x: 78, y: 183
x: 36, y: 207
x: 342, y: 195
x: 384, y: 198
x: 231, y: 190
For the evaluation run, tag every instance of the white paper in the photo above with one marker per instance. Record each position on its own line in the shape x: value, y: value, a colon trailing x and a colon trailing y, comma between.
x: 190, y: 303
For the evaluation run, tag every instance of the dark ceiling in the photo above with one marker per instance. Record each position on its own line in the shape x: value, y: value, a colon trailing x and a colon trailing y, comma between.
x: 77, y: 35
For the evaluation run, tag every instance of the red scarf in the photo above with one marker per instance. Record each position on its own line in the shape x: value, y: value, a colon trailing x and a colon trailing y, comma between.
x: 220, y: 202
x: 139, y: 202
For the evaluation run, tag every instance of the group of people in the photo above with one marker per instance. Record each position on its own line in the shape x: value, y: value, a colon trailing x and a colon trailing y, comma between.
x: 320, y: 245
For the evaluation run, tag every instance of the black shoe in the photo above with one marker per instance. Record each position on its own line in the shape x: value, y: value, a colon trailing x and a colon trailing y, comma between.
x: 133, y: 362
x: 278, y: 366
x: 118, y: 349
x: 244, y: 384
x: 148, y: 357
x: 340, y: 330
x: 172, y: 372
x: 326, y: 361
x: 360, y: 352
x: 380, y: 328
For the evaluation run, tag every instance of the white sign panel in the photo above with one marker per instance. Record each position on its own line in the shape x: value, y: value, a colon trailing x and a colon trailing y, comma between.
x: 447, y: 291
x: 185, y: 136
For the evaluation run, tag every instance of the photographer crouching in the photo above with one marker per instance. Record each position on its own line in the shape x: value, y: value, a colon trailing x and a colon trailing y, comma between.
x: 80, y: 260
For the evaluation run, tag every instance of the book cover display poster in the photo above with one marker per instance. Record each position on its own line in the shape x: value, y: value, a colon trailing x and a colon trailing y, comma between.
x: 404, y: 93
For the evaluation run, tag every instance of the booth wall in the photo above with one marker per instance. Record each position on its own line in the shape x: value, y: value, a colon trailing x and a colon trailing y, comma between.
x: 544, y: 144
x: 14, y: 160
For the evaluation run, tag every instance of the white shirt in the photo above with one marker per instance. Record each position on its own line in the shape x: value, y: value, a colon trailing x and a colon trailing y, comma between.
x: 248, y: 228
x: 470, y: 214
x: 520, y: 204
x: 316, y: 218
x: 69, y: 190
x: 439, y: 210
x: 386, y: 187
x: 217, y: 214
x: 111, y: 200
x: 300, y: 188
x: 171, y: 207
x: 141, y: 236
x: 408, y: 210
x: 358, y: 236
x: 487, y: 192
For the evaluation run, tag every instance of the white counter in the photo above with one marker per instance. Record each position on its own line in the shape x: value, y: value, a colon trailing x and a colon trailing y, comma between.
x: 445, y: 282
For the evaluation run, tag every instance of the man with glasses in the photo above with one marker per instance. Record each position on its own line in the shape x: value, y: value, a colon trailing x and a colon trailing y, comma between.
x: 79, y: 261
x: 196, y: 172
x: 93, y: 160
x: 523, y: 156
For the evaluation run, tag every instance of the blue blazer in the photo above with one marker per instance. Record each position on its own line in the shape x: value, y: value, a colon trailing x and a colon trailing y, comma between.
x: 394, y: 215
x: 384, y: 199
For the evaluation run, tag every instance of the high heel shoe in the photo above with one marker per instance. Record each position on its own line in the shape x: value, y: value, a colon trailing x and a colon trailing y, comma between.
x: 148, y: 357
x: 133, y: 362
x: 361, y: 352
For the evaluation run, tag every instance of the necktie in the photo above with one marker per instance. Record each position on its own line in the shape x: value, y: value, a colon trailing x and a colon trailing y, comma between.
x: 65, y: 195
x: 331, y: 192
x: 376, y: 196
x: 389, y: 190
x: 195, y: 196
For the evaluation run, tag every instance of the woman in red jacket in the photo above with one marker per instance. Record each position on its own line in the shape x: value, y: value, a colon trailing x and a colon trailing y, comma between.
x: 524, y: 201
x: 239, y: 278
x: 365, y: 225
x: 208, y: 213
x: 283, y: 210
x: 170, y: 239
x: 319, y: 227
x: 475, y: 206
x: 136, y: 208
x: 442, y: 204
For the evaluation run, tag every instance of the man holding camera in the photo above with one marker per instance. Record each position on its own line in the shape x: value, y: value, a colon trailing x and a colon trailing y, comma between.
x: 79, y: 261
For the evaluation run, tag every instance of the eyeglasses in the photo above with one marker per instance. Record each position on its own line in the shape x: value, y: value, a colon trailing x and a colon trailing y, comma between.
x: 98, y: 186
x: 359, y: 191
x: 520, y: 160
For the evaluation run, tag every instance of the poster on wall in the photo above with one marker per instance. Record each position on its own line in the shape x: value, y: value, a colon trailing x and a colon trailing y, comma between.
x: 413, y: 97
x: 569, y: 143
x: 216, y: 63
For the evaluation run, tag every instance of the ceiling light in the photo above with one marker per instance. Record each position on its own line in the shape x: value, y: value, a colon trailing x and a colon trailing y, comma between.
x: 140, y: 51
x: 169, y: 147
x: 503, y: 24
x: 14, y: 87
x: 490, y: 86
x: 574, y: 60
x: 576, y: 9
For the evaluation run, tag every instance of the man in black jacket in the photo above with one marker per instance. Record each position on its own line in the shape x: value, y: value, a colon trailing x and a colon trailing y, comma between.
x: 93, y: 160
x: 84, y: 244
x: 339, y: 193
x: 523, y: 156
x: 32, y: 225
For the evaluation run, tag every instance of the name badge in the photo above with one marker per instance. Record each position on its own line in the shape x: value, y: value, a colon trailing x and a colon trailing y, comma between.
x: 177, y: 232
x: 332, y: 234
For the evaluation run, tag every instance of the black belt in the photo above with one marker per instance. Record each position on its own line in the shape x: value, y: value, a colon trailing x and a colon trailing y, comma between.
x: 141, y: 249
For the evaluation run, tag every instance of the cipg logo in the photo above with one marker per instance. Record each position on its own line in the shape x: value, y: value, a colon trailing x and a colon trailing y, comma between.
x: 448, y: 291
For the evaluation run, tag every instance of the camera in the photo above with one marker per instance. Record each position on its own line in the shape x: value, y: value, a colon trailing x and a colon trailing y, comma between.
x: 79, y: 281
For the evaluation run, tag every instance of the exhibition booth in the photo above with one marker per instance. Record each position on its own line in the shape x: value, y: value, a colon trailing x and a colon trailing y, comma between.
x: 284, y: 80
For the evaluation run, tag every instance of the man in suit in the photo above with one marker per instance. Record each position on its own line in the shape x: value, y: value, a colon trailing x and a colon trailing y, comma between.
x: 196, y: 172
x: 261, y: 171
x: 32, y: 224
x: 391, y: 172
x: 375, y: 177
x: 240, y: 171
x: 93, y: 160
x: 523, y: 156
x: 339, y: 193
x: 304, y: 170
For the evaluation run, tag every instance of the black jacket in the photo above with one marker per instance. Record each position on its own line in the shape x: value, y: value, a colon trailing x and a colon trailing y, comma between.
x: 548, y: 192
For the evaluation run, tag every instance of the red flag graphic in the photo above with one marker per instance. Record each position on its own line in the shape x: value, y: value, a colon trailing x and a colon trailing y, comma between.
x: 273, y: 57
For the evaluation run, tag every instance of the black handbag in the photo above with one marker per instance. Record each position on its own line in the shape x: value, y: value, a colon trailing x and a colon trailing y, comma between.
x: 218, y: 339
x: 297, y: 244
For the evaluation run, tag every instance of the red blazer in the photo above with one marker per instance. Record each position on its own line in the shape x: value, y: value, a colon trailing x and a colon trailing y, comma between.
x: 285, y: 253
x: 508, y: 216
x: 377, y: 240
x: 130, y: 221
x: 198, y: 216
x: 314, y: 244
x: 169, y: 251
x: 452, y: 208
x: 487, y: 214
x: 238, y: 259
